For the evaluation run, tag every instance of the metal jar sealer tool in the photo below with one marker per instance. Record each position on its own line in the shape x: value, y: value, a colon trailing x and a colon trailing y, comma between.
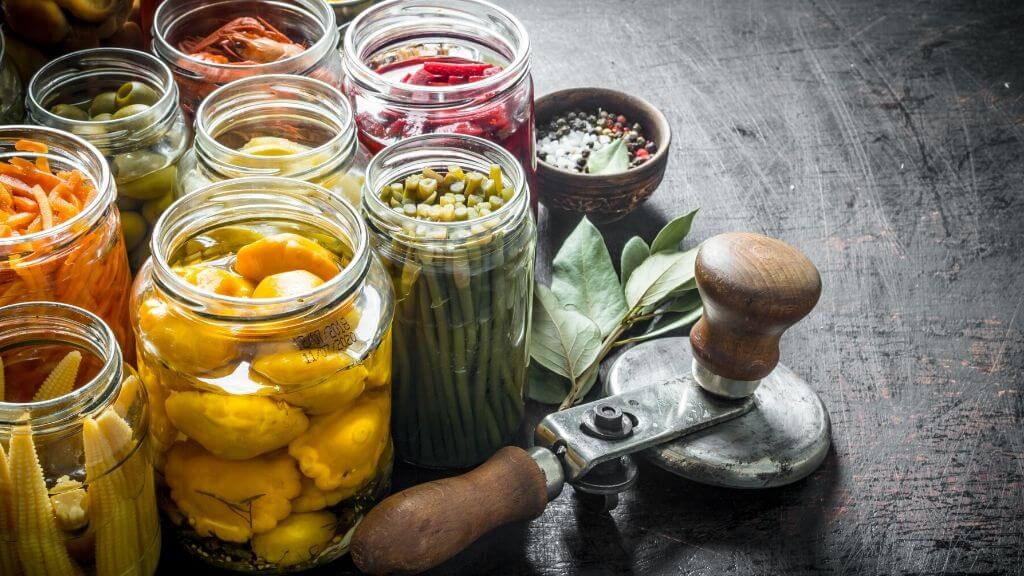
x: 717, y: 409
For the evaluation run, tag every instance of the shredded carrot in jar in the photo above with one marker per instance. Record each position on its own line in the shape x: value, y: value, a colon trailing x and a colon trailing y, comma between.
x: 91, y: 273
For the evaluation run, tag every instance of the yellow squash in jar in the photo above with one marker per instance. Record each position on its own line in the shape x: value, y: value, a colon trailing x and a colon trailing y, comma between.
x: 181, y: 343
x: 217, y: 280
x: 285, y: 252
x: 312, y: 498
x: 320, y: 380
x: 341, y: 450
x: 297, y: 539
x: 235, y: 427
x: 291, y: 283
x: 231, y: 499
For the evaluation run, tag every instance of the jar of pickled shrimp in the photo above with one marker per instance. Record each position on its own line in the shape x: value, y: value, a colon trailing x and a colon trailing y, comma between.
x: 209, y: 44
x: 450, y: 218
x: 76, y: 475
x: 263, y: 321
x: 60, y: 232
x: 450, y: 66
x: 281, y: 125
x: 125, y: 103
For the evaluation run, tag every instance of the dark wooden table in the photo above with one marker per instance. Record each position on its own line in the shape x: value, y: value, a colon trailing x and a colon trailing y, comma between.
x: 885, y: 139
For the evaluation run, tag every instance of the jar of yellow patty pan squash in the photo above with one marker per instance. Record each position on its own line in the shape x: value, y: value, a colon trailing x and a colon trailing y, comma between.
x: 76, y: 476
x: 263, y: 327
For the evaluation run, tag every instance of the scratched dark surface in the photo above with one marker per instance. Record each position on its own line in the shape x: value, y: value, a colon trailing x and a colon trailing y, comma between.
x: 885, y: 139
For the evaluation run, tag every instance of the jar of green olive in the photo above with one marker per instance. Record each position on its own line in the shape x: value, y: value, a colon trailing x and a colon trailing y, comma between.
x: 125, y: 103
x: 450, y: 217
x: 276, y: 125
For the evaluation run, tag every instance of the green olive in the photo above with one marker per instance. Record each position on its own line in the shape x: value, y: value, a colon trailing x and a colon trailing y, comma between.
x: 104, y: 103
x: 134, y: 228
x: 130, y: 111
x: 102, y: 117
x: 70, y: 112
x: 132, y: 93
x: 133, y: 165
x: 152, y: 209
x: 151, y: 186
x: 125, y: 203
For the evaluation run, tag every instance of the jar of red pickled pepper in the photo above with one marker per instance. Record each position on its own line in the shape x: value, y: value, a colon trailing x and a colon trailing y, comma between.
x: 209, y: 44
x: 441, y: 66
x: 60, y: 239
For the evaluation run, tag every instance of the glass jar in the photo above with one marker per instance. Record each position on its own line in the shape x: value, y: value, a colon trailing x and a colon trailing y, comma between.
x: 142, y: 150
x: 346, y: 10
x: 271, y: 406
x: 76, y: 474
x: 289, y: 126
x: 81, y: 261
x: 387, y: 41
x: 12, y: 109
x: 464, y: 293
x: 307, y: 22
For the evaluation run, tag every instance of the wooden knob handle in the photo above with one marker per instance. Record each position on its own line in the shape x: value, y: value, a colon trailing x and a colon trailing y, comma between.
x: 754, y: 288
x: 421, y: 527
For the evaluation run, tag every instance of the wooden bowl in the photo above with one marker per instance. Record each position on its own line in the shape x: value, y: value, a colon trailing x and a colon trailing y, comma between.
x: 603, y: 197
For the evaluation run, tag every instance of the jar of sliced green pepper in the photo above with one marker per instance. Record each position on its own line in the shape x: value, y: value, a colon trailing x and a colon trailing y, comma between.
x: 276, y: 125
x: 125, y: 103
x: 449, y: 215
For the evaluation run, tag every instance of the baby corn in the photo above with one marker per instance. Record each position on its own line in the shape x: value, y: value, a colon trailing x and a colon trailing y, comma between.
x: 40, y: 545
x: 8, y: 550
x: 138, y: 475
x: 117, y: 546
x: 62, y: 379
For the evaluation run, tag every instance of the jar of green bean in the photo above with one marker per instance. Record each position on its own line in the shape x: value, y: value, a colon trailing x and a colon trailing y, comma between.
x: 449, y: 215
x: 276, y: 125
x: 125, y: 103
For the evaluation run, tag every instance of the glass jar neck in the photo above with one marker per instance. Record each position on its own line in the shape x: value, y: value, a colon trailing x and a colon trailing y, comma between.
x: 79, y: 76
x: 411, y: 156
x: 308, y: 21
x: 256, y: 200
x: 383, y: 33
x: 306, y: 112
x: 66, y: 152
x: 51, y: 323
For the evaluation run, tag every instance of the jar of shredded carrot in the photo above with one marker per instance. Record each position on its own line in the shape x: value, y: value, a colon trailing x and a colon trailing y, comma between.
x: 77, y: 494
x: 60, y: 232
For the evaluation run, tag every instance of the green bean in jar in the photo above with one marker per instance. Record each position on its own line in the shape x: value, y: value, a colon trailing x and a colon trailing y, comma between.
x: 449, y: 215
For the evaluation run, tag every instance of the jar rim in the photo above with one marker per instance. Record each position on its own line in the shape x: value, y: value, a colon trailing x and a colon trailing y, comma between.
x: 326, y: 19
x: 423, y: 148
x: 395, y: 89
x: 167, y: 103
x: 97, y: 393
x: 169, y: 232
x: 345, y: 136
x: 105, y: 192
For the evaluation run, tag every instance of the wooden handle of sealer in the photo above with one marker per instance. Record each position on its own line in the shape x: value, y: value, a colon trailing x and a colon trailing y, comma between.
x: 421, y: 527
x: 754, y: 288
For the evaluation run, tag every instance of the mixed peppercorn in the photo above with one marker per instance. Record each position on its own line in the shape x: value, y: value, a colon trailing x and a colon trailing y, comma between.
x: 568, y: 140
